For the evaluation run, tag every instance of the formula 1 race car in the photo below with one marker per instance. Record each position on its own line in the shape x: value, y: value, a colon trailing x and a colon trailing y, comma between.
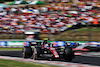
x: 48, y: 52
x: 89, y: 46
x: 93, y: 46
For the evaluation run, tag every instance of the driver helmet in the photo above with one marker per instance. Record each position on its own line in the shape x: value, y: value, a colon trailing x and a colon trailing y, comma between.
x: 45, y: 39
x: 45, y: 43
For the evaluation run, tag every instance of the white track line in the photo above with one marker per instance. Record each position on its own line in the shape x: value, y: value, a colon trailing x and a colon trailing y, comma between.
x: 57, y: 63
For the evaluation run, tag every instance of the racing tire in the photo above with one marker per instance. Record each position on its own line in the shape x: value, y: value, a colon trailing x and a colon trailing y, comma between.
x: 27, y: 52
x: 68, y: 54
x: 36, y: 53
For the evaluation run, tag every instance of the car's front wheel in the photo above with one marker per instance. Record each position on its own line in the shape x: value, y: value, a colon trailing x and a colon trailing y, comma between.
x: 27, y: 52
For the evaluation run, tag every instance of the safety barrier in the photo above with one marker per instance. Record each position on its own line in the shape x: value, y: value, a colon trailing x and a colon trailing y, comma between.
x: 56, y: 43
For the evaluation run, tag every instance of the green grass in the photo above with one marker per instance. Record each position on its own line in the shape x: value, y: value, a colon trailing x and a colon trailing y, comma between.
x: 10, y: 63
x: 7, y: 49
x: 82, y: 34
x: 89, y: 29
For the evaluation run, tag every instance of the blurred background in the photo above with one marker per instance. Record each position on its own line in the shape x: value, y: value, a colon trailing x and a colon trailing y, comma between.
x: 72, y: 22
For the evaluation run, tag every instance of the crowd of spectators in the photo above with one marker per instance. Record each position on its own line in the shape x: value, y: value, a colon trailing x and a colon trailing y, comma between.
x: 49, y: 19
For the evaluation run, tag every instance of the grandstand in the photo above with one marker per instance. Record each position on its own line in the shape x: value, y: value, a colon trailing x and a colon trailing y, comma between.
x: 52, y: 19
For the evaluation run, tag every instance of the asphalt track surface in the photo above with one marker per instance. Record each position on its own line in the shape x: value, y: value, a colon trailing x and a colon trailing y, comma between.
x: 78, y: 59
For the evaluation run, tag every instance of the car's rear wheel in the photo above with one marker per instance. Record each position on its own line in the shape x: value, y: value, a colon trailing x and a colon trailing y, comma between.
x: 68, y: 54
x: 27, y: 52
